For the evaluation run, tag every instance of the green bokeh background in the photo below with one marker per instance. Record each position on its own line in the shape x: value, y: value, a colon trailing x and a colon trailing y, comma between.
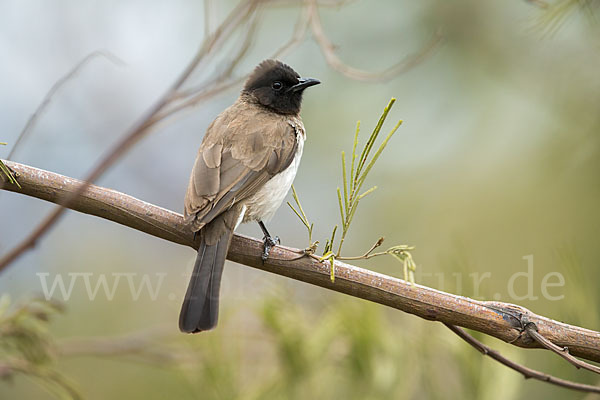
x: 497, y: 160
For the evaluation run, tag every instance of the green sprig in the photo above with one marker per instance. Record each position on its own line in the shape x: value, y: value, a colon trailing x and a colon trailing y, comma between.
x: 349, y: 197
x: 359, y: 175
x: 6, y: 171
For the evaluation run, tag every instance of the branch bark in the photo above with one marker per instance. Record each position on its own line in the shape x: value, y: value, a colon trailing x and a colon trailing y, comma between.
x: 504, y: 321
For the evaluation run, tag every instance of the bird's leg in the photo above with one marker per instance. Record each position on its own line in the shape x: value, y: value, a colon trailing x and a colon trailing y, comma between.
x: 268, y: 241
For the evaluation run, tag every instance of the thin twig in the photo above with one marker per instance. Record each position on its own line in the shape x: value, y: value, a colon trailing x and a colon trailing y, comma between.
x: 228, y: 67
x: 320, y: 3
x: 300, y: 30
x: 33, y: 119
x: 367, y: 254
x: 539, y: 3
x: 141, y: 128
x: 209, y: 17
x: 145, y: 346
x: 199, y: 94
x: 561, y: 351
x: 525, y: 371
x: 328, y: 51
x: 164, y: 107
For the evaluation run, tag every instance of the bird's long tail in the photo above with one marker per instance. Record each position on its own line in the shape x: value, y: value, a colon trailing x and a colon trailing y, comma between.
x: 200, y: 309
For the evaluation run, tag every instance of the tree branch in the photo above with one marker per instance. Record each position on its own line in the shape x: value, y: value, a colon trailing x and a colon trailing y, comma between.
x: 328, y: 49
x: 56, y: 87
x: 176, y: 98
x: 561, y: 351
x: 501, y: 320
x: 144, y: 125
x: 526, y: 372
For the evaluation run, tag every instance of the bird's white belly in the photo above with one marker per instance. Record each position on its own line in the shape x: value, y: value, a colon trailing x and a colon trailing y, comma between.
x: 262, y: 205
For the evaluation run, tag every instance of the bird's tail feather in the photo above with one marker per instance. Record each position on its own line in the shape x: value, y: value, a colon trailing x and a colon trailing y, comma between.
x: 200, y: 309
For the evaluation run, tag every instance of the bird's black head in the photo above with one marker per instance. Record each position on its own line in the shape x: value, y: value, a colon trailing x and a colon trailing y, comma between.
x: 277, y: 86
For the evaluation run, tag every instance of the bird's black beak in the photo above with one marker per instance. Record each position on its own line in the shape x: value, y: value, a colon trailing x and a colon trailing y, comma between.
x: 303, y: 83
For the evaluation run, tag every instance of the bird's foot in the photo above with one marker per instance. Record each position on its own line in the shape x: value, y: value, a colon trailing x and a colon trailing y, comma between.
x: 269, y: 242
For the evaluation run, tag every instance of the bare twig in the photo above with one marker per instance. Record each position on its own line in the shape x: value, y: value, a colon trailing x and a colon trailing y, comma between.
x: 328, y: 50
x: 525, y: 371
x: 561, y: 351
x: 539, y: 3
x: 320, y: 3
x: 209, y: 16
x: 368, y: 254
x: 196, y: 95
x: 142, y: 127
x: 229, y: 67
x: 501, y: 320
x: 173, y: 101
x: 300, y: 30
x: 147, y: 346
x: 55, y: 88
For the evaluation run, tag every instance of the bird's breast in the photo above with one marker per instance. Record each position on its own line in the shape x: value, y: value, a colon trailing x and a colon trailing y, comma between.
x: 262, y: 205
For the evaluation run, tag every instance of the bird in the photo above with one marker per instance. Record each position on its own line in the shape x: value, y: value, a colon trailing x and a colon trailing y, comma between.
x: 244, y: 168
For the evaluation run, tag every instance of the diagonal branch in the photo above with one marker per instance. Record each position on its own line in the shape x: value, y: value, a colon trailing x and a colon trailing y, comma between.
x: 143, y: 126
x: 176, y: 98
x: 526, y: 372
x: 502, y: 320
x: 561, y: 351
x: 328, y: 50
x: 34, y: 118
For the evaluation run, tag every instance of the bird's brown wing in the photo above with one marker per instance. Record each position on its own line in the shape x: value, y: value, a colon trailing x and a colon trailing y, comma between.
x: 241, y: 151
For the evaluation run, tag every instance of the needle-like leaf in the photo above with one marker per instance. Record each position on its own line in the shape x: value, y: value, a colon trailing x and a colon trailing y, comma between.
x: 366, y: 150
x: 345, y: 182
x: 377, y: 154
x: 367, y: 192
x: 6, y: 171
x: 352, y: 172
x: 341, y: 206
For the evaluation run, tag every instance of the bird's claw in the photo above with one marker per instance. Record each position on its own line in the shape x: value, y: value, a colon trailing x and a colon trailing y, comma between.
x: 269, y: 242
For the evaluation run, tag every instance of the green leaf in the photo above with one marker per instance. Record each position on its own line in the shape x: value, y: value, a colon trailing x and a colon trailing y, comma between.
x: 6, y: 171
x: 345, y: 182
x: 341, y: 207
x: 298, y: 214
x: 352, y: 173
x: 377, y: 154
x: 367, y: 192
x: 365, y: 153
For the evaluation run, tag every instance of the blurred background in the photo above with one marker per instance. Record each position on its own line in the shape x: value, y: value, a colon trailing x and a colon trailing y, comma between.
x: 494, y: 171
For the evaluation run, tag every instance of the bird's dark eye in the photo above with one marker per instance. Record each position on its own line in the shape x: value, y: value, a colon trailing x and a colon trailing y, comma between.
x: 277, y: 85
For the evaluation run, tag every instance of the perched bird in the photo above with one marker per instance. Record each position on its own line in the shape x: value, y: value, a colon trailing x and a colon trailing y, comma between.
x: 244, y: 168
